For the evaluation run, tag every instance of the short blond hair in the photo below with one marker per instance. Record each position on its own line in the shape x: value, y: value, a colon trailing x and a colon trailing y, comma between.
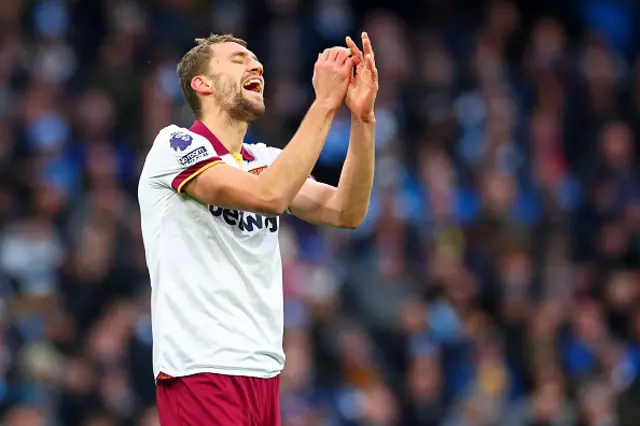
x: 195, y: 62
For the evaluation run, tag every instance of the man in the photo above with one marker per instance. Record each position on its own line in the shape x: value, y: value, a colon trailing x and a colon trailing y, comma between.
x: 210, y: 209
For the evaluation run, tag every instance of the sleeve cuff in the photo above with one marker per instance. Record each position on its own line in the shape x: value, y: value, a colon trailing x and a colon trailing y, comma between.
x: 188, y: 174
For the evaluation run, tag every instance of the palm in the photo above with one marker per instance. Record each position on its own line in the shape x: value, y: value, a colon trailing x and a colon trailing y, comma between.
x: 363, y: 86
x: 362, y: 90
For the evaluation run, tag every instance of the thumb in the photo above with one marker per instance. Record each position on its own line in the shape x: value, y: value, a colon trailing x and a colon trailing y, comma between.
x: 348, y: 67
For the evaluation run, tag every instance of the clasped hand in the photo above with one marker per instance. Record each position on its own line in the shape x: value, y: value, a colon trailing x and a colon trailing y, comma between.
x: 334, y: 79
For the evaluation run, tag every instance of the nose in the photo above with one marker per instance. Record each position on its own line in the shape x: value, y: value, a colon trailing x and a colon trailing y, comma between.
x: 256, y: 67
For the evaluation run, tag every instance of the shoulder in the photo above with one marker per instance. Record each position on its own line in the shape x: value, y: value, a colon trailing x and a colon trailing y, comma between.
x: 176, y: 139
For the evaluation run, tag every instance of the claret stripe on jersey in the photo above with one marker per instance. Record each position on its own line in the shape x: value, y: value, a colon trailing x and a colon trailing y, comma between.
x: 202, y: 130
x: 191, y: 172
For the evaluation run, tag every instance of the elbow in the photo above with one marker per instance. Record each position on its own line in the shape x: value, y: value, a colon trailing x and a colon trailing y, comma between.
x: 351, y: 224
x: 352, y: 221
x: 272, y: 204
x: 351, y: 217
x: 274, y: 209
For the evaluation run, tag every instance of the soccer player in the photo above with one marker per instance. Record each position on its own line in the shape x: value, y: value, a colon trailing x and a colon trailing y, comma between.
x: 210, y: 207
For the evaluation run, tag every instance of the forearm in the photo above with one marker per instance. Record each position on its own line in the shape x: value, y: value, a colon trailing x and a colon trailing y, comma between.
x: 290, y: 170
x: 353, y: 193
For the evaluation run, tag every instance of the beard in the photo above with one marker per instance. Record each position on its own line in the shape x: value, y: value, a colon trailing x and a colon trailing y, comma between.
x: 231, y: 98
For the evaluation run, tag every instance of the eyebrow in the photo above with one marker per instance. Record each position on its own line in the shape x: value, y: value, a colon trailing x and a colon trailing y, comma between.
x: 244, y: 55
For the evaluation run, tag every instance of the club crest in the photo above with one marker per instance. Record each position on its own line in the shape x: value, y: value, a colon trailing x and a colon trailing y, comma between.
x: 257, y: 170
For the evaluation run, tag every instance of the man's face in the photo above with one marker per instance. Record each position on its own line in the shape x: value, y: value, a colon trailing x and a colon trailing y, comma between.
x: 237, y: 81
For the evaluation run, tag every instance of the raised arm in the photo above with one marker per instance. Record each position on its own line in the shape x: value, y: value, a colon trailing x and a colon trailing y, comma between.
x: 346, y: 206
x: 273, y: 190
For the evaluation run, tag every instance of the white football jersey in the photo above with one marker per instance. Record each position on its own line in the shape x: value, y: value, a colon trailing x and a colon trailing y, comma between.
x: 216, y: 273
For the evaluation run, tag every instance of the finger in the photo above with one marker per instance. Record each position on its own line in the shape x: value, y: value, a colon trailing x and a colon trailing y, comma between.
x: 343, y: 55
x: 366, y: 44
x: 333, y: 53
x: 371, y: 65
x: 325, y: 54
x: 369, y: 62
x: 355, y: 52
x: 348, y: 66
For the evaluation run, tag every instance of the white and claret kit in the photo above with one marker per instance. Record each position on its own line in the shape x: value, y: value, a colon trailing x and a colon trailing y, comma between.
x: 216, y: 273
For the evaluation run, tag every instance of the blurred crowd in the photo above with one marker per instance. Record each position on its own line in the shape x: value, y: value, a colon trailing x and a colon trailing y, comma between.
x: 495, y: 282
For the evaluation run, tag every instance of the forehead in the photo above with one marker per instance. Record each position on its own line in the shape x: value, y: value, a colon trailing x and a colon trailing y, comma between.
x: 227, y: 50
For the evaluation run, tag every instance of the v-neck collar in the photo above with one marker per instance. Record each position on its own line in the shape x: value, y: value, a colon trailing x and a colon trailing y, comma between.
x: 199, y: 128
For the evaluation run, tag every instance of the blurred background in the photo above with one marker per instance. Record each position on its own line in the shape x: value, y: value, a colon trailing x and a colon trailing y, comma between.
x: 495, y: 281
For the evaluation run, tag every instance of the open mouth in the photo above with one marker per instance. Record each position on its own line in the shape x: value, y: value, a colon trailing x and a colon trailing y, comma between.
x: 253, y: 85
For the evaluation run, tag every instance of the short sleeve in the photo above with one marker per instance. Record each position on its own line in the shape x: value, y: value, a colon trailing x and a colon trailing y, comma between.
x: 179, y: 157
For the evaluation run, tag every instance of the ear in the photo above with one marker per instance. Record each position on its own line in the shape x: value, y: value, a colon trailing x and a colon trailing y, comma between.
x: 202, y: 84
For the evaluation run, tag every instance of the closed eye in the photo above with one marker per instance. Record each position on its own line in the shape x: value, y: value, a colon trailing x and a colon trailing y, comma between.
x: 242, y: 57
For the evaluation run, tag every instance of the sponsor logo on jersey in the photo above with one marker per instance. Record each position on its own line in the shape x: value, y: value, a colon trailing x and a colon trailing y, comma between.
x: 245, y: 221
x: 180, y: 141
x: 257, y: 170
x: 193, y: 157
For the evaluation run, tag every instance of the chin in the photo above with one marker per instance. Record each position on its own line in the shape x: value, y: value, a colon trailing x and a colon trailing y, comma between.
x: 248, y: 110
x: 259, y: 110
x: 255, y: 99
x: 256, y: 107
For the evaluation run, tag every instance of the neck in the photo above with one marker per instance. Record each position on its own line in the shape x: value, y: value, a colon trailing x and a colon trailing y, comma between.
x: 229, y: 131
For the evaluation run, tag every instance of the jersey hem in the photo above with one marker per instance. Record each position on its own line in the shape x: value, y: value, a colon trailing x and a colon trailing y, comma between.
x: 242, y: 372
